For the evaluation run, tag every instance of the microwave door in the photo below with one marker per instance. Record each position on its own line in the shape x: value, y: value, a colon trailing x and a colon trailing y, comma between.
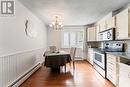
x: 109, y: 35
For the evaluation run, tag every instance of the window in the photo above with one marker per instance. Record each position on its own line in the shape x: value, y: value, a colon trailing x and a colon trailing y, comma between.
x: 72, y: 39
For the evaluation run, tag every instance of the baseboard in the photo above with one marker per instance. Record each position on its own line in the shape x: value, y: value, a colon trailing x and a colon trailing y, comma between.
x: 85, y: 60
x: 25, y: 76
x: 78, y: 58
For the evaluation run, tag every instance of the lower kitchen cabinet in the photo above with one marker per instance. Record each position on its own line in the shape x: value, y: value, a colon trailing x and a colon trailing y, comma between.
x: 90, y: 56
x: 111, y: 68
x: 124, y: 75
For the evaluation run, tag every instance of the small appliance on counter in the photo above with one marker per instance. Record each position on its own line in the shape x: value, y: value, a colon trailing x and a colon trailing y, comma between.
x: 100, y: 55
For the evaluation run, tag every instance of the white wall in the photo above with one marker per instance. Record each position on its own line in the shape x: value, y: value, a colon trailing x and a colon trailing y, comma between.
x: 13, y: 38
x: 55, y: 38
x: 18, y: 52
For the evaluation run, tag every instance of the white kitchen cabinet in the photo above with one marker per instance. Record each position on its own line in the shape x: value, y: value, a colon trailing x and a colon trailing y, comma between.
x: 123, y: 25
x: 110, y: 23
x: 102, y: 26
x: 90, y: 56
x: 91, y: 34
x: 124, y: 75
x: 111, y: 67
x: 97, y: 32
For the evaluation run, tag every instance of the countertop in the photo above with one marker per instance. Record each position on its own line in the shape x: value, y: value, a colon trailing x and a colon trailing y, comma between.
x: 120, y: 54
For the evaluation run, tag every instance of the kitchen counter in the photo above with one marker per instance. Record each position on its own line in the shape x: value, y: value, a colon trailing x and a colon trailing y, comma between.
x: 120, y: 54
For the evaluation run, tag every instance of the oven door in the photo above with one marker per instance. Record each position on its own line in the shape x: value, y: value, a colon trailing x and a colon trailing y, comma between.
x: 99, y: 60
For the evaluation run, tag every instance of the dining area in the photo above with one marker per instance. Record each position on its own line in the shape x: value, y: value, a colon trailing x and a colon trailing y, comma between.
x: 84, y: 75
x: 59, y: 60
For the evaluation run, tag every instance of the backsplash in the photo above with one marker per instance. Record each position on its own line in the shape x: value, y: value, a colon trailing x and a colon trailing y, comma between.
x: 126, y: 44
x: 101, y: 44
x: 93, y: 44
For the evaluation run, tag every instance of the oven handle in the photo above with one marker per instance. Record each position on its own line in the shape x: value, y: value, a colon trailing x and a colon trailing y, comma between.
x: 99, y: 53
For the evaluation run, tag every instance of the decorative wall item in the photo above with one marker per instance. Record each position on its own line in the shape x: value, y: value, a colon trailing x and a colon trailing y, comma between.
x: 26, y: 26
x: 29, y: 29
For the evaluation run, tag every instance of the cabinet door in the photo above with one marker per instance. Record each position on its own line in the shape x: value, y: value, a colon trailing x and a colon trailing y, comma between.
x: 111, y: 68
x: 102, y: 26
x: 91, y: 34
x: 124, y: 75
x: 122, y: 25
x: 1, y: 72
x: 97, y: 32
x: 110, y: 23
x: 90, y: 56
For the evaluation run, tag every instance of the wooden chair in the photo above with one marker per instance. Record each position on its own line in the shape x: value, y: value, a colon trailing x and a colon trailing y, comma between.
x: 52, y: 48
x: 72, y: 55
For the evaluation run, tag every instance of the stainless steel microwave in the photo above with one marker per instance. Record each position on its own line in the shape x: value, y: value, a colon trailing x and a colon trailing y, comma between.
x: 107, y: 35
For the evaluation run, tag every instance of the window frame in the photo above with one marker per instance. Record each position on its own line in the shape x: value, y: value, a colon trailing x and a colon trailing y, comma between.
x: 71, y: 30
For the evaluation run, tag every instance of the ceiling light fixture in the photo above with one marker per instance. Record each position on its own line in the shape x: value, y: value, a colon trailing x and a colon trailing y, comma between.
x: 56, y: 24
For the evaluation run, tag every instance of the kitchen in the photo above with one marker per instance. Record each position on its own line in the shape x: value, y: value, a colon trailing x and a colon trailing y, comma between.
x: 65, y: 43
x: 108, y: 50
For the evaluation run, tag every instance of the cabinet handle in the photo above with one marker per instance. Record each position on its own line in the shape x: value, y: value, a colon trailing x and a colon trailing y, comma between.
x: 110, y: 69
x: 110, y: 76
x: 117, y: 33
x: 111, y: 63
x: 129, y: 75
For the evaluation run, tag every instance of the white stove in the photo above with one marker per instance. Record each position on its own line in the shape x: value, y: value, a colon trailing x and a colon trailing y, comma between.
x: 100, y: 55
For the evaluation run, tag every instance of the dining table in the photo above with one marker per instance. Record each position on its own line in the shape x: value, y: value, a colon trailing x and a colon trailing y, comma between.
x: 55, y: 60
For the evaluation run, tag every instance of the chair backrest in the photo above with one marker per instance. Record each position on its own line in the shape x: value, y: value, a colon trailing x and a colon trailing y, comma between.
x: 52, y: 48
x: 72, y: 53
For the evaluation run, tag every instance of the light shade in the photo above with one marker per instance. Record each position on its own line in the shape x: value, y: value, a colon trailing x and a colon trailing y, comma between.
x: 57, y: 24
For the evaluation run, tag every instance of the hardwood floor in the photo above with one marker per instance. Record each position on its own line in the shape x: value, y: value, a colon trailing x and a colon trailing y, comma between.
x: 84, y: 76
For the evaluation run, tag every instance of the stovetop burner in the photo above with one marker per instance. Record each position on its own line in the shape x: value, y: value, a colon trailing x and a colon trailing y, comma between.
x: 111, y: 47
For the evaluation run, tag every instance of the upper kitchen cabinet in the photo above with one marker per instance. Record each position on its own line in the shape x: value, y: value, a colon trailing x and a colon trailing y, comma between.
x: 107, y: 24
x: 91, y: 34
x: 123, y: 25
x: 110, y: 23
x: 102, y: 26
x: 97, y: 32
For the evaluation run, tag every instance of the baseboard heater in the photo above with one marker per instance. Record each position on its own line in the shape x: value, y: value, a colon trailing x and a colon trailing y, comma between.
x: 25, y: 76
x: 78, y: 58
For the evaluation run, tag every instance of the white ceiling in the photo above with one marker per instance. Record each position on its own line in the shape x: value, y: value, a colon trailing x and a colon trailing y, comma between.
x: 73, y: 12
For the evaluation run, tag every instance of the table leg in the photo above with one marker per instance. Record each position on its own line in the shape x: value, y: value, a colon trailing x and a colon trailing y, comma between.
x: 55, y: 69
